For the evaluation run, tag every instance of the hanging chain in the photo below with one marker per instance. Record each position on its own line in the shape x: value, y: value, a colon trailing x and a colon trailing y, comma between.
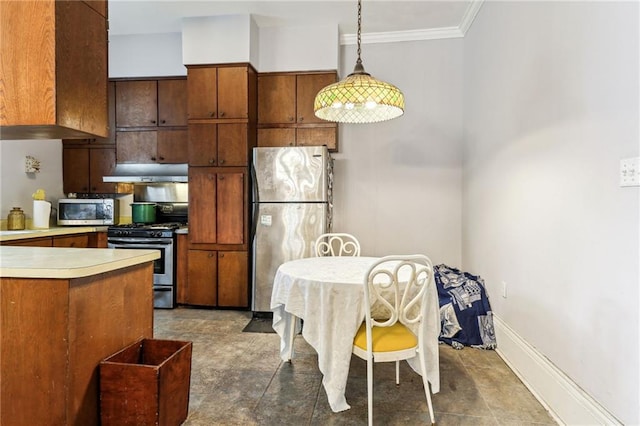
x: 359, y: 30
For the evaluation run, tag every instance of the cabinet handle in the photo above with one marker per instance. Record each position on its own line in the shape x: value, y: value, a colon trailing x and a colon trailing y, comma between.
x: 221, y: 161
x: 290, y: 118
x: 163, y: 121
x: 212, y: 114
x: 221, y: 114
x: 290, y: 143
x: 212, y: 160
x: 211, y: 177
x: 221, y: 178
x: 161, y: 158
x: 221, y: 254
x: 300, y: 118
x: 153, y: 158
x: 210, y: 254
x: 153, y: 121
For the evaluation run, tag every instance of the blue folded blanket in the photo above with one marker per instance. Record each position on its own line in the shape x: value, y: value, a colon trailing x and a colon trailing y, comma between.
x: 465, y: 312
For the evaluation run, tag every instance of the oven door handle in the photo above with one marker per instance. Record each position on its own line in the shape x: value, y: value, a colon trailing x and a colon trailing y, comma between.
x: 162, y: 288
x: 139, y: 241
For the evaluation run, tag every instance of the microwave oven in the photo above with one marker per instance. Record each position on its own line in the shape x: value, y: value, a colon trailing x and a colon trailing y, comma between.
x: 87, y: 211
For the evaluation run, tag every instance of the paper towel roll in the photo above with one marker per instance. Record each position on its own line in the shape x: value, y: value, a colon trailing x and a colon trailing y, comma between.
x: 41, y: 212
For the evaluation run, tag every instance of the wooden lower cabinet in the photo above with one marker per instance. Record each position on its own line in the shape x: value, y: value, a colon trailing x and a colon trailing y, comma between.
x: 30, y: 242
x: 55, y: 332
x: 216, y: 279
x: 77, y: 241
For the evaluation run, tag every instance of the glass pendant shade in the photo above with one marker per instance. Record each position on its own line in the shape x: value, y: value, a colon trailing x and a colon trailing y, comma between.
x: 359, y: 98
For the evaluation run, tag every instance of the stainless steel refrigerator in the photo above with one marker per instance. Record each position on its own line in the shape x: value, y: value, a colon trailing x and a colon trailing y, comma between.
x: 291, y: 209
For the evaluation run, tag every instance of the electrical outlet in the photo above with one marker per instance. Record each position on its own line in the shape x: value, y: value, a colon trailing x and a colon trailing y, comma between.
x: 630, y: 172
x: 504, y: 289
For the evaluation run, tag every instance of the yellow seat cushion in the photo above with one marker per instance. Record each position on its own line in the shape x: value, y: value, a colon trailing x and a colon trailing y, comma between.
x: 386, y: 339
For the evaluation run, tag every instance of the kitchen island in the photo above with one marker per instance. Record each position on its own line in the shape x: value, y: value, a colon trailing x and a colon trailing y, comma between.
x: 61, y: 312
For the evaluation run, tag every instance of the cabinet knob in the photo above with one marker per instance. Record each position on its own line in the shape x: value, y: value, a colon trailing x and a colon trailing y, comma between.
x: 221, y: 178
x: 153, y: 121
x: 210, y: 255
x: 163, y: 121
x: 161, y: 158
x: 153, y: 158
x: 221, y: 114
x: 300, y: 118
x: 290, y: 118
x: 221, y: 161
x: 290, y: 143
x: 221, y: 254
x: 212, y: 160
x: 212, y: 114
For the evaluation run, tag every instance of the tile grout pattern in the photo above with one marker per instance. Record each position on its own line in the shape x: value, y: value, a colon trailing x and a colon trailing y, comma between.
x: 238, y: 379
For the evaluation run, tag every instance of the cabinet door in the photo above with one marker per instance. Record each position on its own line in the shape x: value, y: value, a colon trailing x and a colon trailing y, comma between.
x: 201, y: 280
x: 276, y: 99
x: 136, y: 147
x: 202, y: 93
x: 230, y: 208
x: 172, y: 146
x: 314, y: 136
x: 75, y: 169
x: 233, y: 92
x: 203, y: 149
x: 75, y: 241
x: 182, y: 267
x: 30, y: 242
x: 277, y: 137
x: 307, y: 86
x: 172, y: 102
x: 202, y: 205
x: 102, y: 162
x: 233, y: 282
x: 232, y: 144
x: 136, y: 103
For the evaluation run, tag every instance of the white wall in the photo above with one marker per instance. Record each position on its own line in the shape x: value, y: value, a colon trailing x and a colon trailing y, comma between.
x: 16, y: 186
x: 146, y: 55
x: 551, y: 106
x: 398, y: 183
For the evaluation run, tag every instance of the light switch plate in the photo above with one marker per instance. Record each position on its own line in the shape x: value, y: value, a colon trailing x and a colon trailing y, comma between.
x: 630, y: 172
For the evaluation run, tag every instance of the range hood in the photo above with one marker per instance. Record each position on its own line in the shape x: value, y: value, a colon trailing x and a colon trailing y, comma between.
x: 133, y: 173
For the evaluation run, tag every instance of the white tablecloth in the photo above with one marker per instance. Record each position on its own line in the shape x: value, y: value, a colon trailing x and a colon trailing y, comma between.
x: 327, y: 293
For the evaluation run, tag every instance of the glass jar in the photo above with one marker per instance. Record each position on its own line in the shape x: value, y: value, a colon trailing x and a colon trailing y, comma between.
x: 15, y: 220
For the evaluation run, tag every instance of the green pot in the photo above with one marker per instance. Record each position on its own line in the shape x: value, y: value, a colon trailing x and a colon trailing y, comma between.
x: 143, y: 212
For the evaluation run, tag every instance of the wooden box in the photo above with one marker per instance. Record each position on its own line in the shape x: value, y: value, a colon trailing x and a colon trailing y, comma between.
x: 146, y: 383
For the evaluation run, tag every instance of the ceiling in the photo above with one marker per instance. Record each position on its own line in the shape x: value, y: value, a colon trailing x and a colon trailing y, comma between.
x: 415, y: 18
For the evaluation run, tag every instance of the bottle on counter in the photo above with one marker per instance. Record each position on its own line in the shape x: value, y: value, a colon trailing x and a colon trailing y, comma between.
x: 15, y: 220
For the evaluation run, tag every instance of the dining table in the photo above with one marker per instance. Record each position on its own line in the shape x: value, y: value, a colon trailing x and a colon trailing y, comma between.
x: 327, y: 294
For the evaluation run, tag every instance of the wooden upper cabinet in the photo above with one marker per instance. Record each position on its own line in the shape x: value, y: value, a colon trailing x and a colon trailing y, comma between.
x: 53, y: 62
x: 172, y: 102
x: 137, y: 103
x: 151, y: 117
x: 217, y: 92
x: 84, y: 167
x: 223, y: 144
x: 285, y: 110
x: 288, y: 98
x: 307, y: 87
x: 277, y: 99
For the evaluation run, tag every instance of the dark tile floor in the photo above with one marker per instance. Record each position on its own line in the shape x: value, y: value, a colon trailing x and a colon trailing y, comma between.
x: 238, y: 379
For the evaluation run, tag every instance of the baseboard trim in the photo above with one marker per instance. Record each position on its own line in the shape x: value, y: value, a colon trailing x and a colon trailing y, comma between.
x: 566, y: 402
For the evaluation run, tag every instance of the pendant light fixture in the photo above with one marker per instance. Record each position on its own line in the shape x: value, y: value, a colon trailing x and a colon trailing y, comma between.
x: 359, y: 98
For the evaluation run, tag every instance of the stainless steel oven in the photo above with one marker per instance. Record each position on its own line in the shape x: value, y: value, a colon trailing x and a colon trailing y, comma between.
x: 151, y: 238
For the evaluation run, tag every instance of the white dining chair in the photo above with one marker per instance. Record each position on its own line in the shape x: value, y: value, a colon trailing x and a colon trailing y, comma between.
x: 397, y: 288
x: 337, y: 244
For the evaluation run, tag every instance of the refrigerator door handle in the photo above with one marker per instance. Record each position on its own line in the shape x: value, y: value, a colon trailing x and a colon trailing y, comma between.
x: 254, y: 185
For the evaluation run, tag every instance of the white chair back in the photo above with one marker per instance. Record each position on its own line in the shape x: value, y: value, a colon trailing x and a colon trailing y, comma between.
x: 337, y: 244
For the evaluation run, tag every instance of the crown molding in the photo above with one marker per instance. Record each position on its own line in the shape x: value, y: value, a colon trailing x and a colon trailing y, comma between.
x: 419, y: 35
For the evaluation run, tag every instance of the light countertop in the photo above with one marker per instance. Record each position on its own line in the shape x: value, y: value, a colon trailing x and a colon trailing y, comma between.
x: 49, y: 232
x: 66, y: 263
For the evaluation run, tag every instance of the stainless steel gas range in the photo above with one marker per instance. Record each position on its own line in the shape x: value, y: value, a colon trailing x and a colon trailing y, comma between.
x: 156, y: 237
